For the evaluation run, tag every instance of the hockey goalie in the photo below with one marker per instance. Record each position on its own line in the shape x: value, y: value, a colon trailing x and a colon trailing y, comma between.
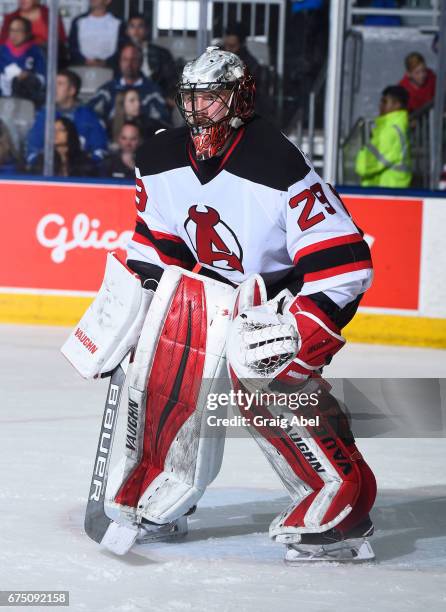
x: 243, y: 269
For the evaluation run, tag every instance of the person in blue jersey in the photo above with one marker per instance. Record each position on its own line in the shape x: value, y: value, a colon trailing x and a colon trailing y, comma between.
x: 130, y: 76
x: 22, y: 64
x: 92, y: 134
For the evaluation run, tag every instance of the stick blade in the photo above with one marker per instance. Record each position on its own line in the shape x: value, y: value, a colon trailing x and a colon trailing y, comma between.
x: 96, y: 522
x: 119, y: 538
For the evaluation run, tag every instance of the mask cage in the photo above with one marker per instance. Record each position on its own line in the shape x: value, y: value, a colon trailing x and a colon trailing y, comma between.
x: 186, y: 100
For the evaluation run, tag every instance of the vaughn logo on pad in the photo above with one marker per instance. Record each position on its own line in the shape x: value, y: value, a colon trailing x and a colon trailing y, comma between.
x: 86, y: 341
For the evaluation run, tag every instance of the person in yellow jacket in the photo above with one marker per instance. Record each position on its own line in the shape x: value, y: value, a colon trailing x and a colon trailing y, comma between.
x: 385, y: 160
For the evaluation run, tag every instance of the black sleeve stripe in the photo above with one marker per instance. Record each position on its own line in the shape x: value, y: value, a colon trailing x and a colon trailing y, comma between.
x: 334, y: 256
x: 170, y: 248
x: 215, y: 276
x: 147, y: 272
x: 339, y: 316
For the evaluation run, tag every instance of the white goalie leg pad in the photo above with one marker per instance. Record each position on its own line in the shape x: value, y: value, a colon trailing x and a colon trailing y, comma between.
x: 172, y: 453
x: 111, y: 326
x: 312, y: 461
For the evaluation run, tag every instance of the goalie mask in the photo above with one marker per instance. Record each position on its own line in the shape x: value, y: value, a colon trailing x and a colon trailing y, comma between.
x: 215, y: 97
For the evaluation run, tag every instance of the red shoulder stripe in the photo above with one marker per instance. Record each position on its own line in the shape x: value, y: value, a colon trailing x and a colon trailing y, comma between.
x: 328, y: 272
x: 170, y: 261
x: 326, y: 244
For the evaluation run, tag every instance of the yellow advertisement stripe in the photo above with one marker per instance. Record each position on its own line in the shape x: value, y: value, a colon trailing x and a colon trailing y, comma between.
x: 400, y: 330
x: 42, y: 309
x: 369, y: 328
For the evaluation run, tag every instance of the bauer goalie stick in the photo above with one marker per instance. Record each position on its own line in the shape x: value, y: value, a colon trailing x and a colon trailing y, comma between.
x: 98, y: 526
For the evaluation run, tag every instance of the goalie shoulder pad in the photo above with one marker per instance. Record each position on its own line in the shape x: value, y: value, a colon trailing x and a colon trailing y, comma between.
x: 111, y: 326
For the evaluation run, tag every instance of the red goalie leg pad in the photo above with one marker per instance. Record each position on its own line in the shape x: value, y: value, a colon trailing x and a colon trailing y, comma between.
x: 341, y: 467
x: 173, y: 386
x: 366, y: 499
x: 331, y: 463
x: 292, y: 452
x: 334, y: 440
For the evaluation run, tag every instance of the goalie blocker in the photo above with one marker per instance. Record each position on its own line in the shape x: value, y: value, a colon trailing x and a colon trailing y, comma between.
x: 111, y: 326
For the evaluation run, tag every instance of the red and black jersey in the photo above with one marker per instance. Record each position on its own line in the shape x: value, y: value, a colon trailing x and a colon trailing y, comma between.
x: 259, y: 208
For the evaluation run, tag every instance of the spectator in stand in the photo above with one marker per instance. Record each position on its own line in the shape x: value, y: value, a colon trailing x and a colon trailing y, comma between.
x: 130, y: 76
x: 385, y: 160
x: 157, y: 62
x: 419, y: 81
x: 22, y: 65
x: 128, y: 108
x: 305, y: 50
x: 92, y: 134
x: 235, y: 42
x: 9, y: 159
x: 122, y: 163
x: 38, y: 15
x: 94, y: 36
x: 69, y: 159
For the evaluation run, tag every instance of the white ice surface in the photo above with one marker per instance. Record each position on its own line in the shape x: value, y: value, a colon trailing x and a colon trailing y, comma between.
x: 49, y: 422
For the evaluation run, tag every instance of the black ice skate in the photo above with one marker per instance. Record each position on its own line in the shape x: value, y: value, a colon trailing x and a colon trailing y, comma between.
x: 333, y: 546
x: 151, y: 532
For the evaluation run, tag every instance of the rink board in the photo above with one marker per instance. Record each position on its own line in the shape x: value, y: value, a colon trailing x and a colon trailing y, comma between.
x: 55, y: 236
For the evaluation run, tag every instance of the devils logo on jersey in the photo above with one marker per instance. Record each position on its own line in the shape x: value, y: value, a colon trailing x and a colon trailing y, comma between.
x: 214, y: 242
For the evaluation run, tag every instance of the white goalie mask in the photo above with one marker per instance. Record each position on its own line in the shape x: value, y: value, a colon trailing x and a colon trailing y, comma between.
x: 215, y: 97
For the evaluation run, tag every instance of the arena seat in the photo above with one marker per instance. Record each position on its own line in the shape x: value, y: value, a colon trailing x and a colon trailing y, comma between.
x: 181, y: 47
x: 18, y: 115
x: 260, y: 50
x: 92, y: 78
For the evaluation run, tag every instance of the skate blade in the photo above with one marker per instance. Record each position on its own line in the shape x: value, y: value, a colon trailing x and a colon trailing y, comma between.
x: 163, y: 533
x: 151, y: 537
x: 119, y: 539
x: 363, y: 554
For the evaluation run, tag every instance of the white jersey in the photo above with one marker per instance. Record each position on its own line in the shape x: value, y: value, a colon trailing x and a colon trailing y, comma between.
x: 260, y: 208
x: 98, y: 36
